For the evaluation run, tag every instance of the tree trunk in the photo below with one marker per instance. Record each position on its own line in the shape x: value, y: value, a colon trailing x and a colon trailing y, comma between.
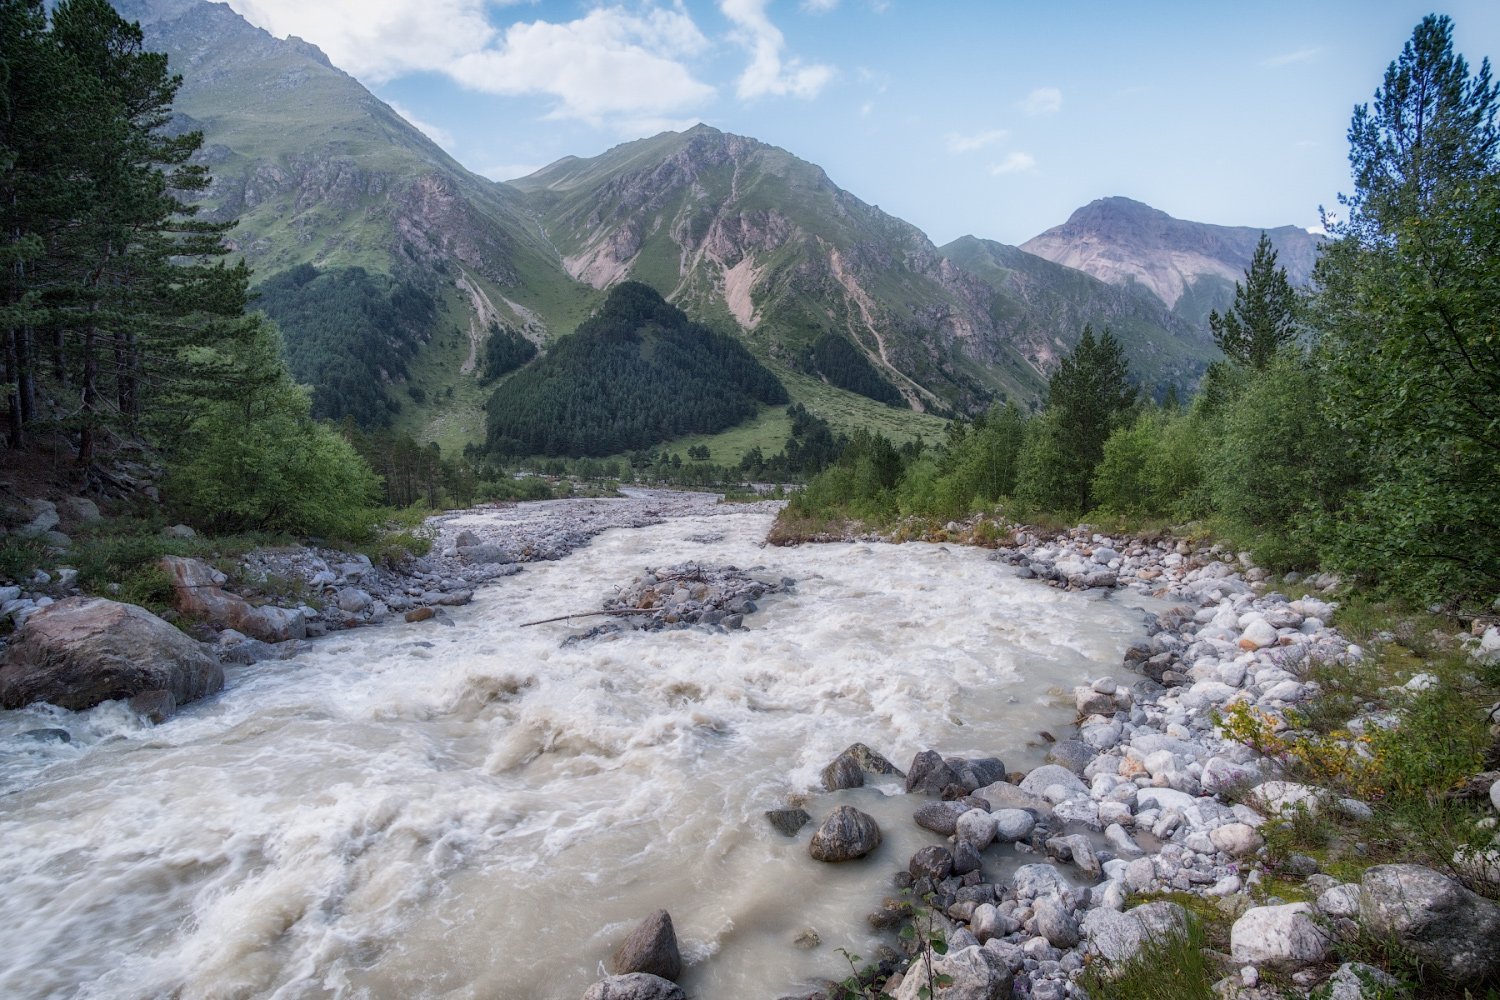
x: 15, y: 428
x: 90, y: 396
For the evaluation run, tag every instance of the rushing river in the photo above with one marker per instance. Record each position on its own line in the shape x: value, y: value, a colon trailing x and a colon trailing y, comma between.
x: 476, y: 811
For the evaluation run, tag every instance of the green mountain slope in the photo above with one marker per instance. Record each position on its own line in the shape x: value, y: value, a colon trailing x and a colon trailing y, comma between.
x: 319, y: 171
x: 635, y: 374
x: 1042, y: 307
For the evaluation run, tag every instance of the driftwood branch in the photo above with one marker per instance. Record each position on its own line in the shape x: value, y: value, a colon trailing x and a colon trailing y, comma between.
x: 591, y: 614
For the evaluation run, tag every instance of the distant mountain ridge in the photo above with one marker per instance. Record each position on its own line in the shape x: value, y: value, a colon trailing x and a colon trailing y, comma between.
x: 1189, y: 266
x: 745, y: 237
x: 735, y: 229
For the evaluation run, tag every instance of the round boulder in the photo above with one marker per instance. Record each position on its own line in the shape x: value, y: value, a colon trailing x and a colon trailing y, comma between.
x: 635, y: 986
x: 845, y: 835
x: 81, y: 651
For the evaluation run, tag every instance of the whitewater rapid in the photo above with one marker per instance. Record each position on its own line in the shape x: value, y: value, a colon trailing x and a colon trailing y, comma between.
x: 478, y: 812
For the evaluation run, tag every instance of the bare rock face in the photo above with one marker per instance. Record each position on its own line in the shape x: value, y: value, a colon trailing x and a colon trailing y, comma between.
x: 846, y: 834
x: 84, y: 650
x: 198, y: 594
x: 651, y: 948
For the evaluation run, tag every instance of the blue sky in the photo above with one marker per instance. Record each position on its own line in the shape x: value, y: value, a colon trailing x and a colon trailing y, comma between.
x: 991, y: 117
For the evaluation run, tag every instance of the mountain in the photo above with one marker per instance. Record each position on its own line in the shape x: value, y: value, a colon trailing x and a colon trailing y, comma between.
x: 319, y: 171
x: 1041, y: 307
x: 1189, y: 266
x: 750, y: 237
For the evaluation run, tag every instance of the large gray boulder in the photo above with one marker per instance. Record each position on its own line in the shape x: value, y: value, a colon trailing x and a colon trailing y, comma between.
x: 1434, y: 918
x: 650, y: 948
x: 930, y: 774
x: 1118, y: 937
x: 197, y: 591
x: 1287, y: 937
x: 635, y: 986
x: 81, y: 651
x: 846, y: 834
x: 849, y: 768
x: 975, y: 972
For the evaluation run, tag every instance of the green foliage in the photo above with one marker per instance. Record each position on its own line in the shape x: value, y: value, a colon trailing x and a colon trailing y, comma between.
x: 1155, y: 466
x: 262, y: 462
x: 635, y: 374
x: 1407, y: 299
x: 347, y: 333
x: 504, y: 351
x: 1088, y: 396
x: 1278, y: 463
x: 1168, y: 967
x: 843, y: 365
x: 1263, y: 319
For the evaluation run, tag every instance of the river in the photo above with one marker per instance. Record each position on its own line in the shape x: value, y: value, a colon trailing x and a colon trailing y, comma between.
x: 478, y: 812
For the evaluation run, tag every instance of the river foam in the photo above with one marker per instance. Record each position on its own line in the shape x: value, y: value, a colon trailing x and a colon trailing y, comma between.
x: 477, y: 811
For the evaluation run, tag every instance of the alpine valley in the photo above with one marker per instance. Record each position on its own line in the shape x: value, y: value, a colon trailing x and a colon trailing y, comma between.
x: 398, y: 277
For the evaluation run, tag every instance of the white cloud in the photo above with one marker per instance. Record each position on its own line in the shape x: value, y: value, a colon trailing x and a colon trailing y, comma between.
x: 1042, y: 101
x: 1015, y: 163
x: 768, y: 73
x: 966, y: 143
x: 611, y: 62
x: 819, y: 6
x: 436, y: 133
x: 1287, y: 58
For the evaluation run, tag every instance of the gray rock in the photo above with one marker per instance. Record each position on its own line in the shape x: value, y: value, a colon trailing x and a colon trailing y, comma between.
x: 977, y: 827
x: 1434, y: 918
x: 1031, y: 881
x: 846, y: 834
x: 1051, y: 919
x: 484, y: 555
x: 353, y: 600
x: 81, y: 651
x: 940, y: 817
x: 1286, y: 937
x: 849, y: 768
x: 1118, y: 937
x: 976, y: 973
x: 467, y: 539
x: 197, y: 593
x: 965, y: 858
x: 1004, y: 795
x: 1077, y: 849
x: 178, y: 531
x: 1042, y: 778
x: 1236, y: 839
x: 1074, y: 755
x: 1013, y: 824
x: 650, y: 948
x: 1357, y: 981
x: 636, y: 986
x: 788, y: 821
x: 931, y: 862
x: 81, y: 510
x: 929, y: 774
x: 976, y: 772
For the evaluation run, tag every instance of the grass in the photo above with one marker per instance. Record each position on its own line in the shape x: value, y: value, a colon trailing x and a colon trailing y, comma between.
x: 1172, y: 967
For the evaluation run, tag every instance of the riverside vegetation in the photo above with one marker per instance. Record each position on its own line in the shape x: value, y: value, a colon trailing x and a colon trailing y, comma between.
x: 1353, y: 431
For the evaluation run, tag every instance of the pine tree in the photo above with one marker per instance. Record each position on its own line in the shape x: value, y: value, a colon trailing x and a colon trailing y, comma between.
x: 1088, y: 396
x: 1264, y: 316
x: 1408, y: 294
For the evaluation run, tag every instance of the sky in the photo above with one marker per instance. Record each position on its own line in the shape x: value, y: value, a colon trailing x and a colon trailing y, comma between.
x: 996, y: 118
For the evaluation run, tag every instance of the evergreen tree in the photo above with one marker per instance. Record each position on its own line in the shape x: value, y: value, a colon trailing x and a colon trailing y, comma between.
x: 1263, y: 318
x: 1088, y: 396
x: 1408, y: 294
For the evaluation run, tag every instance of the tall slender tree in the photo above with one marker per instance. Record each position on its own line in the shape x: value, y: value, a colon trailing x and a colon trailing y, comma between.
x: 1263, y: 318
x: 1408, y: 294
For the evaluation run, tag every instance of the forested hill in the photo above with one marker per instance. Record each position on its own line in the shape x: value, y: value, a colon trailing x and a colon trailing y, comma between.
x: 635, y: 374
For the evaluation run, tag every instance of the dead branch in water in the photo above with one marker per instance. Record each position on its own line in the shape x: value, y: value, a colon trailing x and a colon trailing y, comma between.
x: 591, y: 614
